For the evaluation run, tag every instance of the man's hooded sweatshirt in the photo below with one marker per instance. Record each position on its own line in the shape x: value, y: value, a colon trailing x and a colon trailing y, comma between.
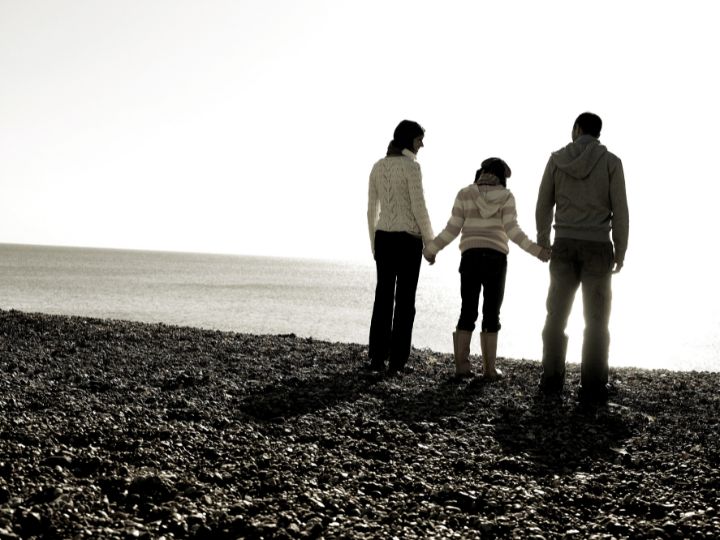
x: 585, y: 184
x: 485, y: 213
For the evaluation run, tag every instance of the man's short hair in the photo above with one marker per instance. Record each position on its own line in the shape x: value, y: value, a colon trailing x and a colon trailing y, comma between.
x: 589, y: 123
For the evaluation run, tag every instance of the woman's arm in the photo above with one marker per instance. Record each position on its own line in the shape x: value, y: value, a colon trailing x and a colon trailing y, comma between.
x: 417, y: 203
x: 373, y: 212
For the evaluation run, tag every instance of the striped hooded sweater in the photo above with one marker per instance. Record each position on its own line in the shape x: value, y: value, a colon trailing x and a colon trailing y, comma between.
x: 487, y: 218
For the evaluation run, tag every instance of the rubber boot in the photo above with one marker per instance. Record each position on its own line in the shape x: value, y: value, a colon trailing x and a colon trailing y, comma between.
x: 461, y: 342
x: 553, y: 361
x: 488, y: 345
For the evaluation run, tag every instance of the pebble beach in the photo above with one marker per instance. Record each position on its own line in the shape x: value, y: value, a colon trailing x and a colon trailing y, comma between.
x: 124, y: 430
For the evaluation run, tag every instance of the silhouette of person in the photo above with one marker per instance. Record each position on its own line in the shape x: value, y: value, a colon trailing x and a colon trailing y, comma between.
x: 398, y: 224
x: 484, y: 212
x: 584, y: 187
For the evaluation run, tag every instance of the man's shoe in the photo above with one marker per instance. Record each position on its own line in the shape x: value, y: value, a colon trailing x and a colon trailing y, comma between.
x: 549, y: 391
x: 593, y: 396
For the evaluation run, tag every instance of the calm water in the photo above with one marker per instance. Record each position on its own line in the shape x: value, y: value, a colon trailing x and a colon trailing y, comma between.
x: 325, y: 300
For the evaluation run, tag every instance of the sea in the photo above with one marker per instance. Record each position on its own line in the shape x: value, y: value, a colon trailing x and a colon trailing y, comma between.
x: 327, y: 300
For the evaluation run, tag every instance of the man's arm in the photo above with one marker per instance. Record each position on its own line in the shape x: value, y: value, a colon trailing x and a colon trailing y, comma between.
x: 620, y: 214
x: 545, y: 206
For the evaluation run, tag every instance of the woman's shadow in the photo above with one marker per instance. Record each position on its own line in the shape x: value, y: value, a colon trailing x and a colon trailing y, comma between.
x: 293, y: 396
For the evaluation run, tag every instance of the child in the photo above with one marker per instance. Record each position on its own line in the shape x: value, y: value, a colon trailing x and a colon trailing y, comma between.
x: 485, y: 213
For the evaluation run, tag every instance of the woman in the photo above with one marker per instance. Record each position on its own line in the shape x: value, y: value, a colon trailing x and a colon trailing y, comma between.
x: 485, y: 214
x: 398, y: 224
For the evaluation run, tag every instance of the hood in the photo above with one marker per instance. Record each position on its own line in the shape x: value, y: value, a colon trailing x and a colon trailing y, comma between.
x: 490, y: 199
x: 579, y: 158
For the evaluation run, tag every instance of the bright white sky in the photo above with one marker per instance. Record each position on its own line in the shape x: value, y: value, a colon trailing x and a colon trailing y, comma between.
x: 250, y: 127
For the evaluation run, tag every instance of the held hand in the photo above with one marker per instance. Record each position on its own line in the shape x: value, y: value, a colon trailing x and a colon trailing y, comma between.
x: 429, y: 257
x: 544, y: 254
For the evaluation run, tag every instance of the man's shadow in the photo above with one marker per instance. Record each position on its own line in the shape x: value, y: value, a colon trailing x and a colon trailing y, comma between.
x: 560, y: 437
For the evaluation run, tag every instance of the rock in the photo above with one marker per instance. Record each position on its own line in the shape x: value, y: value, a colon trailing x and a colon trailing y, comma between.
x: 84, y: 467
x: 30, y: 523
x: 152, y: 487
x: 201, y: 532
x: 6, y: 534
x: 57, y: 461
x: 46, y: 495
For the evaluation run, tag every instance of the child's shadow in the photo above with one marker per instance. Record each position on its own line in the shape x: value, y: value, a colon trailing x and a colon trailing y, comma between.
x: 447, y: 399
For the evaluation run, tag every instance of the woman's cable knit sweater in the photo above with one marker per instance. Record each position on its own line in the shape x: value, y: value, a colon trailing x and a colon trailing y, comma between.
x: 487, y: 217
x: 395, y: 198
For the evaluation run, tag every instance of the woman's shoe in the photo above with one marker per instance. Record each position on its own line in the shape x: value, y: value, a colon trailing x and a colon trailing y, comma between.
x: 396, y: 370
x: 376, y: 365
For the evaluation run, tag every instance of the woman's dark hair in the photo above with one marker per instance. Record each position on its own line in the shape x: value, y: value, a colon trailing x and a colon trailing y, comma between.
x: 497, y: 167
x: 589, y: 123
x: 404, y: 135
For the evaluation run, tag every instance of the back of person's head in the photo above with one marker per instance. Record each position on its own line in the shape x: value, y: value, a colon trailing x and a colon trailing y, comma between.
x: 496, y: 167
x: 589, y: 123
x: 405, y: 134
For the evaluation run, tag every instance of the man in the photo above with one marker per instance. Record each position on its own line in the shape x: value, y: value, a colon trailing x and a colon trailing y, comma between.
x: 584, y: 184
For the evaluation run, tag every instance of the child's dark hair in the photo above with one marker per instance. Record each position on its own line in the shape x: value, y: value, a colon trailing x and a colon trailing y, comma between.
x: 497, y: 167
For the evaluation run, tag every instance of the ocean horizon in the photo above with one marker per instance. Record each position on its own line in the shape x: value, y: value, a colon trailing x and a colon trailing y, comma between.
x: 327, y: 300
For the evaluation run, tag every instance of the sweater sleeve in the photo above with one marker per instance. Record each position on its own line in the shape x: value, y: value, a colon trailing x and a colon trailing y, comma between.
x: 513, y: 230
x: 451, y: 230
x: 373, y: 212
x: 620, y: 212
x: 417, y: 203
x: 545, y: 204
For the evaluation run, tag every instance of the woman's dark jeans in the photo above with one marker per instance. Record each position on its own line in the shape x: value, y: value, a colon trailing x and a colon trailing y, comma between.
x: 482, y: 269
x: 397, y: 259
x: 574, y: 263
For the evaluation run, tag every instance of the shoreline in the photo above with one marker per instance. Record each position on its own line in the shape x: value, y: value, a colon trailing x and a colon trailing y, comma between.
x: 326, y: 300
x: 118, y: 429
x: 418, y: 352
